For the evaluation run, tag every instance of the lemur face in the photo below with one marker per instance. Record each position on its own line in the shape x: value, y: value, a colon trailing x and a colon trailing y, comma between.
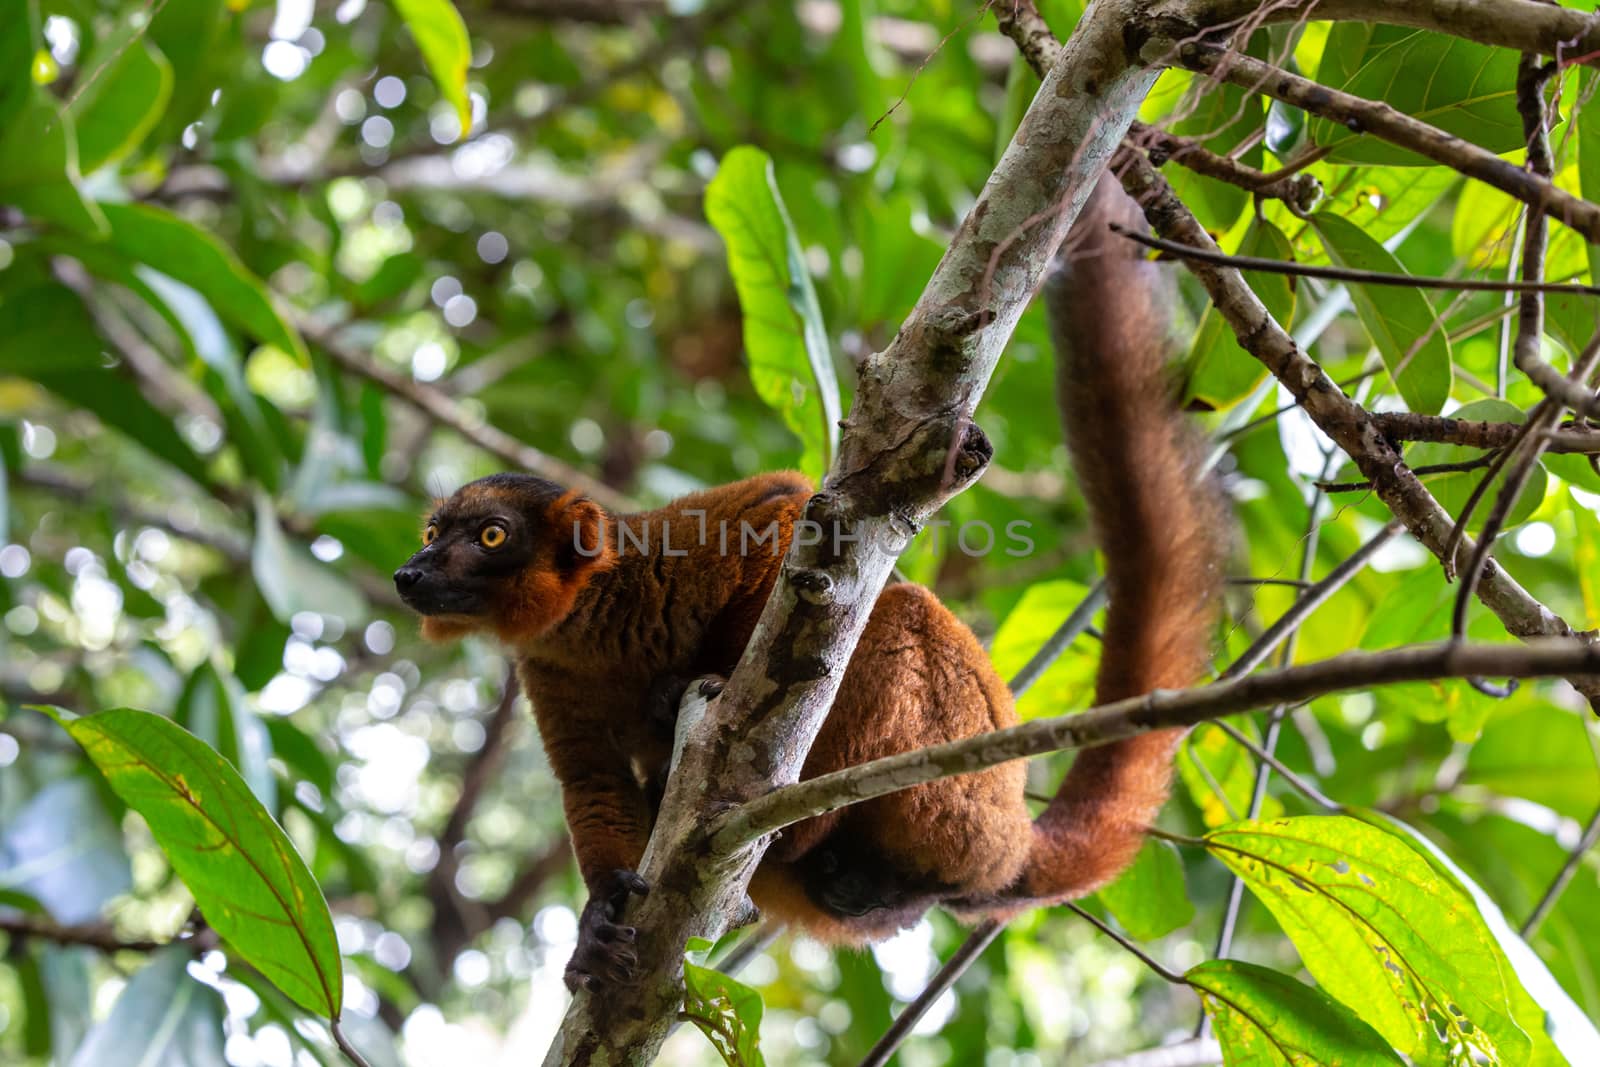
x: 505, y: 554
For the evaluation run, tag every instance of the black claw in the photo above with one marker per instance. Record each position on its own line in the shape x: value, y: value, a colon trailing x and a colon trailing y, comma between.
x: 602, y: 954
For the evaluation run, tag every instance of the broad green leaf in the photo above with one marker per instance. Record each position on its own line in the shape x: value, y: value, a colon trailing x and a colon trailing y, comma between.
x: 1461, y: 87
x: 46, y: 335
x: 1382, y: 201
x: 1542, y: 753
x: 65, y: 850
x: 39, y: 167
x: 727, y: 1011
x: 1220, y: 372
x: 1452, y: 489
x: 1541, y: 1004
x: 118, y: 109
x: 784, y: 337
x: 442, y: 39
x: 1068, y: 682
x: 1380, y: 930
x: 1401, y: 322
x: 293, y: 581
x: 246, y: 877
x: 1265, y: 1018
x: 1587, y: 121
x: 16, y: 54
x: 1150, y: 898
x: 163, y: 1018
x: 1220, y: 773
x: 177, y: 248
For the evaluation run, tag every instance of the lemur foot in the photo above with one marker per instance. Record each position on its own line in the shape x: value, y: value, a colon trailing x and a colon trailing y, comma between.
x: 605, y: 953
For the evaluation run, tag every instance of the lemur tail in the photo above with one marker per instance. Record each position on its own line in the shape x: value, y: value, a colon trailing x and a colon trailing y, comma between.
x: 1159, y: 524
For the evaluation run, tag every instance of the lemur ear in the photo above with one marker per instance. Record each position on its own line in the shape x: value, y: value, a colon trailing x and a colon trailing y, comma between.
x: 585, y: 536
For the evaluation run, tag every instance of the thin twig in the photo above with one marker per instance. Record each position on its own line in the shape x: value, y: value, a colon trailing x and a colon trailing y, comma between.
x: 1563, y: 878
x: 980, y: 938
x: 1476, y: 463
x: 1346, y: 274
x: 349, y: 1050
x: 1145, y: 958
x: 1311, y: 792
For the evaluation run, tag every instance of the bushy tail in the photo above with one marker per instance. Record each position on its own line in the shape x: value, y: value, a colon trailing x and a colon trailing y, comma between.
x: 1137, y: 461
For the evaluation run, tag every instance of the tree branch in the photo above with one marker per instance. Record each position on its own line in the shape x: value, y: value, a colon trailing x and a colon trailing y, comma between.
x: 909, y: 427
x: 1154, y: 711
x: 1409, y: 426
x: 1346, y: 274
x: 1381, y: 120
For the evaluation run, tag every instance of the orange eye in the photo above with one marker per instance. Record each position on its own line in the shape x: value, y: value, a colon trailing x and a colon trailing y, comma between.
x: 429, y: 532
x: 492, y: 536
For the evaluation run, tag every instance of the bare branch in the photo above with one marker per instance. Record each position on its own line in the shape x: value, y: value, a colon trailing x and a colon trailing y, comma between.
x: 1340, y: 417
x: 1408, y: 426
x: 1345, y: 274
x: 1381, y: 120
x: 1154, y: 711
x: 1299, y: 190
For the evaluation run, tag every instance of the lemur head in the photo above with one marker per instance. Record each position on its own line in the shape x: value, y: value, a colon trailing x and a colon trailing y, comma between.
x: 507, y: 555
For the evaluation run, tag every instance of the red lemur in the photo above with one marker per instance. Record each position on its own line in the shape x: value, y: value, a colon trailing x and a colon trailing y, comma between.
x: 601, y: 611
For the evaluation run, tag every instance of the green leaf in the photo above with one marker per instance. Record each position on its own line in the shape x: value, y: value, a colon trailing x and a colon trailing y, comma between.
x: 65, y: 850
x: 39, y: 167
x: 1265, y: 1018
x: 1220, y: 773
x: 1401, y: 322
x: 1069, y: 681
x: 293, y: 581
x: 1452, y: 489
x: 727, y: 1011
x: 177, y: 248
x: 46, y: 335
x: 246, y: 877
x: 16, y: 55
x: 1220, y: 372
x: 1380, y: 930
x: 123, y: 103
x: 162, y: 1017
x: 1150, y: 898
x: 442, y: 38
x: 1461, y: 87
x: 784, y: 337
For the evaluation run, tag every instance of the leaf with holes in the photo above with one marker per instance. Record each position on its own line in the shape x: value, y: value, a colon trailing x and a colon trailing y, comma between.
x: 1267, y: 1019
x: 1380, y: 930
x: 247, y: 880
x: 727, y: 1011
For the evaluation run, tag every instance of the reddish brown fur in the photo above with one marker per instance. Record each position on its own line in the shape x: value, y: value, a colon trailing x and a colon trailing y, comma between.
x: 593, y: 638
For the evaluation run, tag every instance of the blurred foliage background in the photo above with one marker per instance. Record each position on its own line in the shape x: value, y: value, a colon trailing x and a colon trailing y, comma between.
x: 266, y: 289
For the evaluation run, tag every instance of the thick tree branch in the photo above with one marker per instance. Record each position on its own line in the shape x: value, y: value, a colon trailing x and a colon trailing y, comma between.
x: 1409, y: 426
x: 1154, y: 711
x: 908, y: 446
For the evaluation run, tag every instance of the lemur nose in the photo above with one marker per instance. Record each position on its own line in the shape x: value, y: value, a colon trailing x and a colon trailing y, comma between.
x: 406, y: 577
